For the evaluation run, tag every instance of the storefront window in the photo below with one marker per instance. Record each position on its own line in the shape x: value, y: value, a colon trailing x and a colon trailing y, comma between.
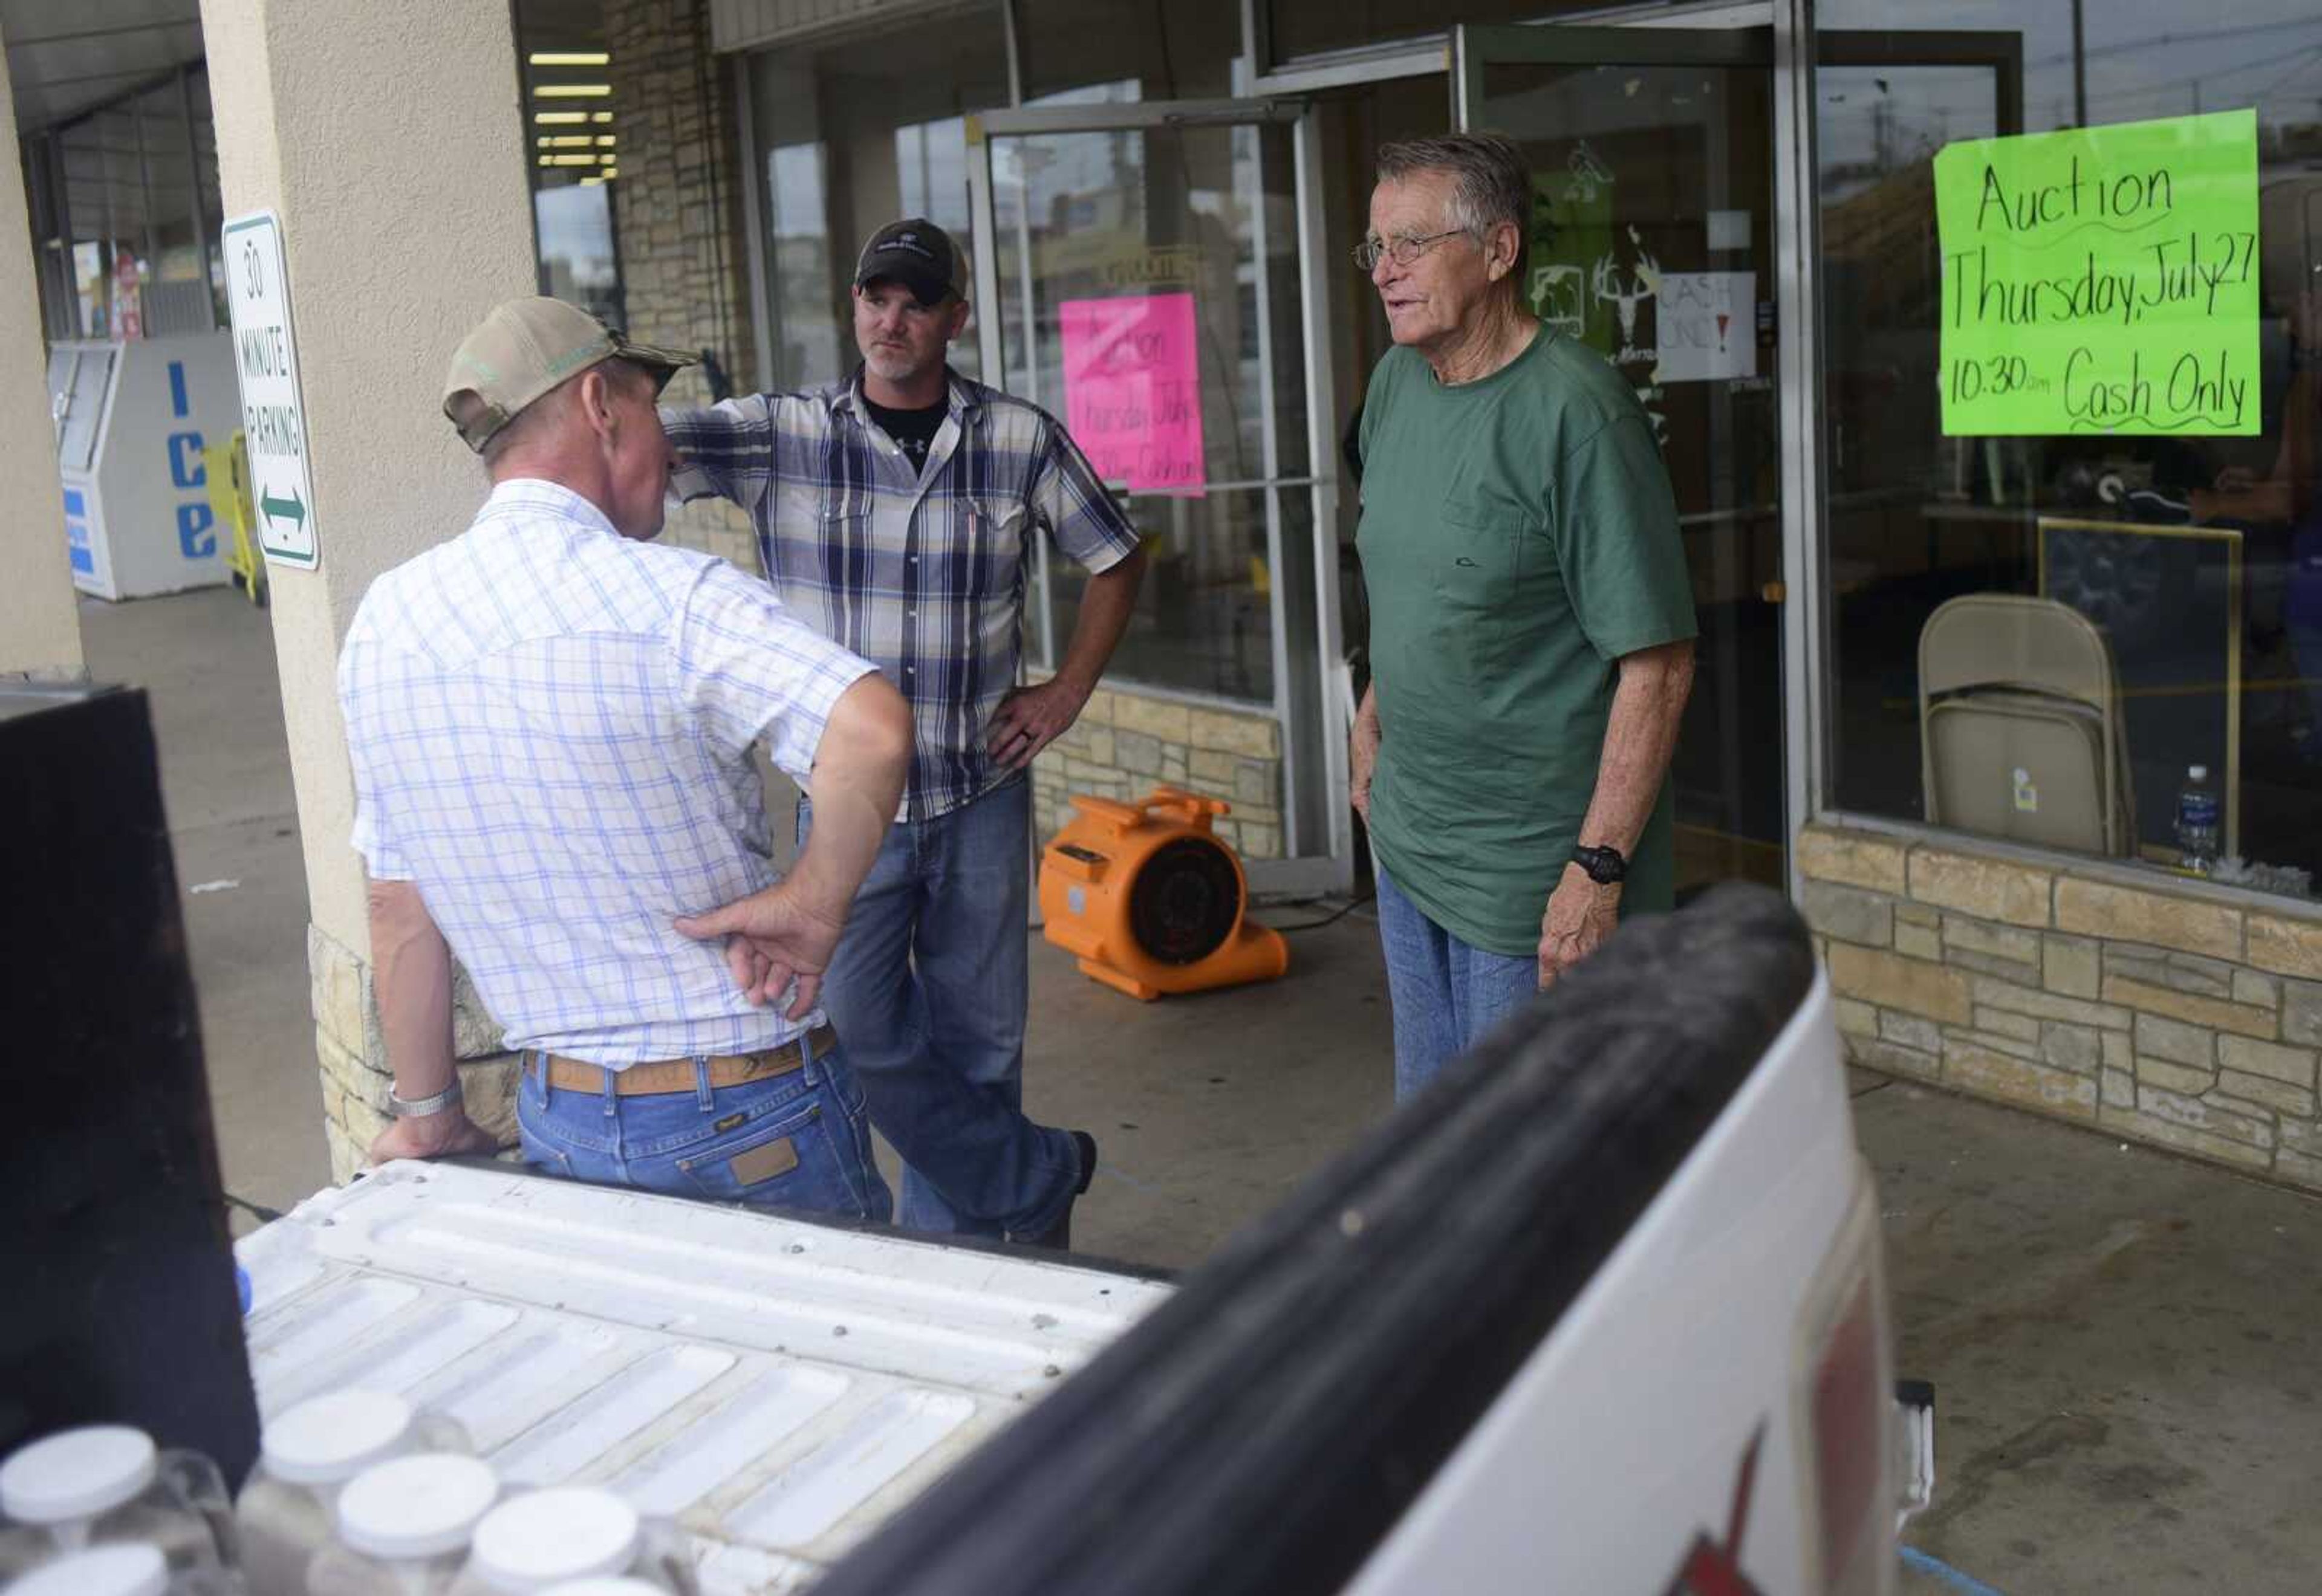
x: 1149, y: 49
x: 575, y: 148
x: 1150, y: 300
x: 808, y: 336
x: 1189, y: 229
x: 577, y: 259
x: 1302, y: 28
x: 175, y: 282
x: 850, y: 136
x: 206, y: 173
x: 2092, y: 429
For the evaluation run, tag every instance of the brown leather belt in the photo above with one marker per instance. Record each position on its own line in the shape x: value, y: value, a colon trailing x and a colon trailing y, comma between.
x: 674, y: 1075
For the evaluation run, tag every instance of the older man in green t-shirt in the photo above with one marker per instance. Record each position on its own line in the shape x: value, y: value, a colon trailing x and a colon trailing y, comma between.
x: 1532, y: 621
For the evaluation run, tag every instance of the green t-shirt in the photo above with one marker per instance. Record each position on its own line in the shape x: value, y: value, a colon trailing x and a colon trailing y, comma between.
x: 1518, y: 537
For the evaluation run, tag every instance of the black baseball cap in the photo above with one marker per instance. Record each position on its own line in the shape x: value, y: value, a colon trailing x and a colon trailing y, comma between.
x: 917, y: 254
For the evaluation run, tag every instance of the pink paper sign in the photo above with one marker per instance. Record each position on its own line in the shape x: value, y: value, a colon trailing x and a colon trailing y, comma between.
x: 1133, y: 390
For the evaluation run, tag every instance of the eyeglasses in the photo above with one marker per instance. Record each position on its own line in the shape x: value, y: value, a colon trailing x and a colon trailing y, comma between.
x: 1402, y: 251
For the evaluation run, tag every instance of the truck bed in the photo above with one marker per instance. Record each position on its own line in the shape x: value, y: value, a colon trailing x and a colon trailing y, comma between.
x: 1602, y: 1311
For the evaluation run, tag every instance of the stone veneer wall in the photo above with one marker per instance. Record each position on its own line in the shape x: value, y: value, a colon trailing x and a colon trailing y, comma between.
x: 1127, y: 743
x: 356, y: 1077
x: 2174, y: 1015
x: 680, y: 221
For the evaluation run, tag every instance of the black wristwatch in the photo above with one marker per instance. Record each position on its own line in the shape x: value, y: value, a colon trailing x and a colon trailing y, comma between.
x: 1605, y: 866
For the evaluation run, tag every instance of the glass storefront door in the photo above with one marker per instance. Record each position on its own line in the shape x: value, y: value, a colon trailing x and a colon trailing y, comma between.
x: 1151, y: 283
x: 1653, y: 241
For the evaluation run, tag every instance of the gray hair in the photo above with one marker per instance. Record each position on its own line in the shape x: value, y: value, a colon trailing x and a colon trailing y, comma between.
x: 1493, y: 184
x: 544, y: 415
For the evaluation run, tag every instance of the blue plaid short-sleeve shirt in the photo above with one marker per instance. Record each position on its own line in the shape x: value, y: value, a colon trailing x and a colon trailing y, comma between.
x: 920, y: 572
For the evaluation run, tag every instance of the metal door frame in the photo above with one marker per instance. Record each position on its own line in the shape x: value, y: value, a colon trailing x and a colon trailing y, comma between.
x: 1779, y: 38
x: 1318, y: 856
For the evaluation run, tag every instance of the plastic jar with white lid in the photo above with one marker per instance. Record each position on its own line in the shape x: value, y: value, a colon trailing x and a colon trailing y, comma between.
x: 404, y: 1526
x: 124, y: 1568
x: 108, y: 1484
x: 305, y: 1458
x: 611, y: 1585
x: 567, y: 1534
x: 130, y: 1568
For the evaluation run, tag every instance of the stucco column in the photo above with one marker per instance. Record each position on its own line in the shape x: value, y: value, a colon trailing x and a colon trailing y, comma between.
x: 389, y: 140
x: 40, y: 629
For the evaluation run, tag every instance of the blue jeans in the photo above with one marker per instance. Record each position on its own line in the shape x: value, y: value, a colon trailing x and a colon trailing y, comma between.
x: 1447, y: 995
x: 795, y: 1141
x: 928, y: 991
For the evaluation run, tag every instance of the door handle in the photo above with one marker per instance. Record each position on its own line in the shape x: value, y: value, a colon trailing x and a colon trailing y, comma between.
x: 1774, y: 592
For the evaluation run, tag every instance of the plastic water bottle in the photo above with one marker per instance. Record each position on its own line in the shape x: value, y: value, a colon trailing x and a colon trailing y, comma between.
x: 2197, y: 821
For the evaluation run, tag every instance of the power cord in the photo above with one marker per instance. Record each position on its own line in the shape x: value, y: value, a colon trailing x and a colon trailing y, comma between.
x: 256, y: 1211
x: 1331, y: 919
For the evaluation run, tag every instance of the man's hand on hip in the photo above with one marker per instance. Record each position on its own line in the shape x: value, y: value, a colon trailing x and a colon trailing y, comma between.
x: 446, y: 1134
x: 772, y: 938
x: 1030, y: 718
x: 1581, y: 914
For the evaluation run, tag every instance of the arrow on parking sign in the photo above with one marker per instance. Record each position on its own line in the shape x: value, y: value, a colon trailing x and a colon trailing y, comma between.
x: 292, y: 509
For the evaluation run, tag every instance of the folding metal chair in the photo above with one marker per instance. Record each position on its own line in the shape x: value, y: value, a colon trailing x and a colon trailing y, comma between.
x: 2020, y: 725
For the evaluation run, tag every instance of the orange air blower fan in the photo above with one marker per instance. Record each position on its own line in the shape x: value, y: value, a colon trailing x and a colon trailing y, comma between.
x: 1151, y: 901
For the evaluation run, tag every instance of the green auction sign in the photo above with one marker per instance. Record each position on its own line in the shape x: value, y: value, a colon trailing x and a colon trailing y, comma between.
x: 2101, y: 279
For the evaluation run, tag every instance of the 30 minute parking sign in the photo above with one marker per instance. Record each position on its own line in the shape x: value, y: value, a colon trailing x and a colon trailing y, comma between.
x: 273, y: 416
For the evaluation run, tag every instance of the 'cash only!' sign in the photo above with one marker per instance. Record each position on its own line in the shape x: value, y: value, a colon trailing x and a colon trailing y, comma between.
x: 2101, y: 279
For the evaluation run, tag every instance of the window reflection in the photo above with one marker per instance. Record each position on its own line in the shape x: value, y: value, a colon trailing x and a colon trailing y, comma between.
x: 2198, y: 557
x: 576, y: 261
x: 1153, y: 234
x: 851, y: 135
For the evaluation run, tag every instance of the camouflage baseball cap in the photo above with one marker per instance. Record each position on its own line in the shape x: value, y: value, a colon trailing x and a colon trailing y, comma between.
x: 526, y: 347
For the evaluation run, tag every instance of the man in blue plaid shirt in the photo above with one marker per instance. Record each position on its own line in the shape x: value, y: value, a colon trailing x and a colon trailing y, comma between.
x: 894, y: 511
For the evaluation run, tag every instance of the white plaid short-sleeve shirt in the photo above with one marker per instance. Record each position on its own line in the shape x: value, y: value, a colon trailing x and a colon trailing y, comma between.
x: 551, y: 726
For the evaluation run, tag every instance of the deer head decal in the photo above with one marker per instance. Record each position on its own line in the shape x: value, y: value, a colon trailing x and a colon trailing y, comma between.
x: 1605, y: 283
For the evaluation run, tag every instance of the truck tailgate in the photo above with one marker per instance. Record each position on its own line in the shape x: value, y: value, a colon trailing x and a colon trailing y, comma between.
x: 776, y: 1385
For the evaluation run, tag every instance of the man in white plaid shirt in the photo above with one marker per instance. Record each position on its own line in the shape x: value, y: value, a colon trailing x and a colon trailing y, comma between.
x: 895, y: 512
x: 550, y: 722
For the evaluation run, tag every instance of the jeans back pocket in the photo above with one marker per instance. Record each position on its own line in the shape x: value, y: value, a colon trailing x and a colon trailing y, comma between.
x: 788, y: 1160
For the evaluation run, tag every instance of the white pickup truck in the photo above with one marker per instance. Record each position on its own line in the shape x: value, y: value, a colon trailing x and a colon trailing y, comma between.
x: 1604, y: 1312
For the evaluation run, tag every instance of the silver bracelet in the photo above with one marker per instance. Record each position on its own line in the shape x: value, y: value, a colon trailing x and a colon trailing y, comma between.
x: 414, y: 1108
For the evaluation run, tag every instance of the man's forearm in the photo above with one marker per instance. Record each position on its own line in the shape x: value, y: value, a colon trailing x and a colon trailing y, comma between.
x: 1648, y: 704
x: 857, y: 782
x: 411, y: 973
x: 1106, y: 604
x: 713, y: 446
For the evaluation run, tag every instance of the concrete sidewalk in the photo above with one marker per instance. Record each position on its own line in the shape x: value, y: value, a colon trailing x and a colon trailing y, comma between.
x: 206, y: 660
x: 2127, y: 1347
